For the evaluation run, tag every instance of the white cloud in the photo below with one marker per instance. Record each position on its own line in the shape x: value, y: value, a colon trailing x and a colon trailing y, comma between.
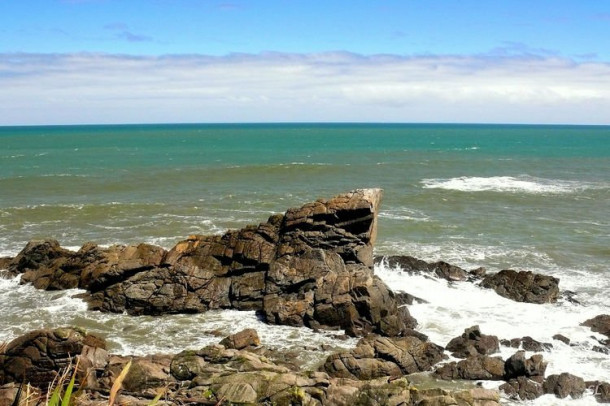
x: 333, y: 86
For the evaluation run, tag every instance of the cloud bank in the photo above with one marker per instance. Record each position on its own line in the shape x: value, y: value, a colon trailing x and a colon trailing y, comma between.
x: 277, y: 87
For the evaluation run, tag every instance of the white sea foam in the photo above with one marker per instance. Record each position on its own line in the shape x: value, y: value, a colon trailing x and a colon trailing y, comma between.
x: 510, y: 184
x: 453, y: 307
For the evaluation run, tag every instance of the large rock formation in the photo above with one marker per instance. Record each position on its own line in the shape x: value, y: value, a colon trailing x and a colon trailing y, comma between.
x: 312, y: 266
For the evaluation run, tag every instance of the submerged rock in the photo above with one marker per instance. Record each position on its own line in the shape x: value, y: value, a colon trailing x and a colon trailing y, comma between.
x: 523, y: 286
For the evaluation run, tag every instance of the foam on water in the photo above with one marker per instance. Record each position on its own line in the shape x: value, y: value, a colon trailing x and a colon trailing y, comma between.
x: 521, y: 184
x: 453, y: 307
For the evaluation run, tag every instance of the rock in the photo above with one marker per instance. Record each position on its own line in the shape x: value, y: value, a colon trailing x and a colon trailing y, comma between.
x: 5, y: 262
x: 528, y: 344
x: 602, y: 392
x: 468, y: 397
x: 522, y: 388
x: 38, y: 356
x: 517, y: 365
x: 147, y: 373
x: 523, y: 286
x: 562, y: 338
x: 244, y: 339
x: 376, y: 356
x: 474, y: 367
x: 312, y: 266
x: 404, y: 298
x: 410, y: 264
x: 472, y: 342
x: 599, y: 324
x: 564, y: 385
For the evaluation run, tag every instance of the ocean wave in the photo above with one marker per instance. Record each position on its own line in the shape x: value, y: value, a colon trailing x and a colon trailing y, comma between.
x: 509, y: 184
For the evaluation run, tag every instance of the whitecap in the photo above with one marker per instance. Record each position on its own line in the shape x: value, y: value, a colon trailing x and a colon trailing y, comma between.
x: 510, y: 184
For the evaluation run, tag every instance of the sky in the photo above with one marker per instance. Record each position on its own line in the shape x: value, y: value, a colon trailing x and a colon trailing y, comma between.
x: 150, y: 61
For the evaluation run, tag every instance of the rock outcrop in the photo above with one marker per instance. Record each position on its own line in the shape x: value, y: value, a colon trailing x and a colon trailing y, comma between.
x: 312, y: 266
x: 376, y: 356
x: 216, y: 375
x: 523, y: 286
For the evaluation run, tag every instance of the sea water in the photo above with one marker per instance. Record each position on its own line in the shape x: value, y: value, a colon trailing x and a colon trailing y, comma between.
x: 499, y: 196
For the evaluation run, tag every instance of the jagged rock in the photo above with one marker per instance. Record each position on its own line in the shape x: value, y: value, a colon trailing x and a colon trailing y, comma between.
x: 527, y: 343
x: 523, y: 286
x: 472, y: 342
x: 599, y: 324
x: 244, y: 339
x: 473, y: 368
x: 312, y: 266
x: 517, y: 365
x: 376, y: 356
x: 564, y: 385
x: 410, y: 264
x: 523, y: 388
x: 38, y: 356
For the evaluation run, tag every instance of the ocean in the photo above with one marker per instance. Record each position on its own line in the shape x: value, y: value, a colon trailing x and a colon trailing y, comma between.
x: 518, y: 197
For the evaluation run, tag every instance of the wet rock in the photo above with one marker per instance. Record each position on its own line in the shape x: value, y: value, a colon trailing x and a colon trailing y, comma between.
x: 474, y: 367
x: 601, y: 390
x: 376, y: 356
x: 599, y: 324
x: 473, y: 342
x: 244, y: 339
x: 528, y: 344
x: 564, y: 385
x: 523, y: 388
x: 411, y: 264
x: 517, y: 365
x: 562, y: 338
x: 523, y: 286
x: 38, y: 356
x: 404, y: 298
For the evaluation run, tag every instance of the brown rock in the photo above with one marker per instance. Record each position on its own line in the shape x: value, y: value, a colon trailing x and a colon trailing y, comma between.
x: 517, y: 365
x: 522, y: 388
x: 523, y: 286
x: 564, y: 385
x: 473, y: 342
x: 376, y: 356
x: 599, y: 324
x: 244, y: 339
x: 411, y: 264
x: 474, y: 367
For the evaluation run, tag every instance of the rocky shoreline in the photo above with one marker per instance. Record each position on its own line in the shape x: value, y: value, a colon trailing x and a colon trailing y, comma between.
x: 310, y: 267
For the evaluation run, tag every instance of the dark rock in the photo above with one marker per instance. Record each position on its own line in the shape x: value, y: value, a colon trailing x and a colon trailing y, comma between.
x: 472, y: 342
x: 312, y: 266
x: 564, y: 385
x: 599, y: 324
x: 517, y: 365
x: 244, y: 339
x: 37, y: 357
x: 527, y: 343
x: 410, y: 264
x: 404, y: 298
x: 522, y: 388
x: 562, y: 338
x: 523, y: 286
x: 376, y: 356
x: 601, y: 390
x: 474, y: 367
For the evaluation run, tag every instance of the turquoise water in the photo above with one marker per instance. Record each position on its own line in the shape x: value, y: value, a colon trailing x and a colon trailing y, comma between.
x: 499, y: 196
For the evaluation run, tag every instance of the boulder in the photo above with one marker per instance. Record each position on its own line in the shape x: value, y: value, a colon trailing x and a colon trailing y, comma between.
x: 37, y: 357
x: 523, y: 286
x: 243, y: 339
x: 564, y: 385
x: 523, y: 388
x: 517, y: 365
x: 474, y: 367
x: 376, y: 356
x: 562, y: 338
x: 602, y: 392
x: 527, y: 343
x: 599, y: 324
x: 473, y: 342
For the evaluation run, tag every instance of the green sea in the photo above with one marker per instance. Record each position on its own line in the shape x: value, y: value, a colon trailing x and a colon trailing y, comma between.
x: 526, y: 197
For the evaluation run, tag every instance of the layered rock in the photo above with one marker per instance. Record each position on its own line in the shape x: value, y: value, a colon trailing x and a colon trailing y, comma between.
x: 312, y: 266
x: 523, y: 286
x: 376, y: 356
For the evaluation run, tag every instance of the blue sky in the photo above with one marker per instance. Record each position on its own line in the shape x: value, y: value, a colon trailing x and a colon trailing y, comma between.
x: 98, y: 61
